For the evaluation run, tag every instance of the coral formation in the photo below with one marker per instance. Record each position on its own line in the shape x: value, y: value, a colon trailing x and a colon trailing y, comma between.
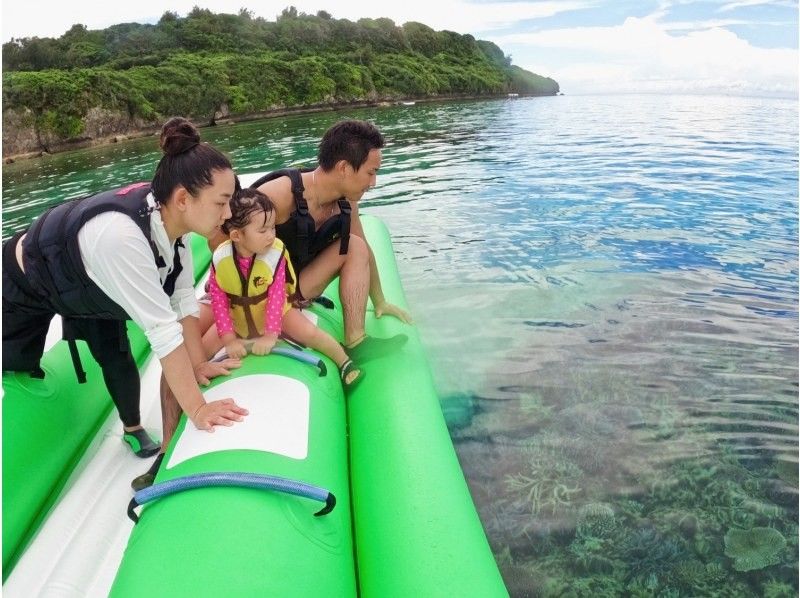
x: 754, y: 548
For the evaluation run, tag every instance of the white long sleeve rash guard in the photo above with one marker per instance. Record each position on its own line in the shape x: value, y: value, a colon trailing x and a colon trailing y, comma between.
x: 119, y: 260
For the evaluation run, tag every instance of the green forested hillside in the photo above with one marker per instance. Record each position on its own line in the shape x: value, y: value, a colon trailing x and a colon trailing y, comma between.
x: 210, y: 63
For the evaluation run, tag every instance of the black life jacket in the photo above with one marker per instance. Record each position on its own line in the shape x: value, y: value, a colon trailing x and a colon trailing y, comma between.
x: 52, y: 258
x: 299, y: 234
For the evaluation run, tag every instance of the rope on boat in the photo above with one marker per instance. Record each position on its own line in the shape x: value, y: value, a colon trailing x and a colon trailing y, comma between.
x: 292, y: 353
x: 301, y: 356
x: 239, y: 480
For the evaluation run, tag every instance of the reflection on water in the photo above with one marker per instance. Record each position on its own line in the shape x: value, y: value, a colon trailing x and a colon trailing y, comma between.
x: 608, y: 291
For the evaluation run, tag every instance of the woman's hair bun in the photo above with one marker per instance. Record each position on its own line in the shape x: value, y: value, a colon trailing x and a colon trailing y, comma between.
x: 178, y: 135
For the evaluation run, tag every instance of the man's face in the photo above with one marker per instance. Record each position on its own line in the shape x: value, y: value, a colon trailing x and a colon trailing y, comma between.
x: 358, y: 181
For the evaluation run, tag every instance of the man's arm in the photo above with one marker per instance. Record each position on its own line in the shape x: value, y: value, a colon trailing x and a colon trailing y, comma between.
x: 382, y: 307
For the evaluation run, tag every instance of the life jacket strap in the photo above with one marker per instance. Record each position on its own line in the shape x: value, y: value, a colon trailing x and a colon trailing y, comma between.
x: 177, y: 267
x: 247, y: 303
x: 76, y: 361
x: 344, y: 239
x: 304, y: 223
x: 240, y: 301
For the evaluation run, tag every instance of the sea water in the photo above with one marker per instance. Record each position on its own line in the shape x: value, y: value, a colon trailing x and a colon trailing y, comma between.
x: 607, y: 287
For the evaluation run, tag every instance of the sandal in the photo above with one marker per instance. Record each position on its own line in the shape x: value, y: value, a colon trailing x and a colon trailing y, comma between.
x: 349, y: 382
x: 146, y: 479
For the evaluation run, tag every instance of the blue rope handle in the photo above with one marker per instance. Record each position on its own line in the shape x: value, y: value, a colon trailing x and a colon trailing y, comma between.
x: 292, y: 353
x: 301, y: 356
x: 239, y: 480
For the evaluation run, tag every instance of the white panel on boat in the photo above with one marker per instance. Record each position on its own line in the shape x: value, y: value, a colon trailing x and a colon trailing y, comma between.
x: 277, y: 423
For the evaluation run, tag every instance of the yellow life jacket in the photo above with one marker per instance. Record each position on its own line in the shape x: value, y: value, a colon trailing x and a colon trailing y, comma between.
x: 248, y: 294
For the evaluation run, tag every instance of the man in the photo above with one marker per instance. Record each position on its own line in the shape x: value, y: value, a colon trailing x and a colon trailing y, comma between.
x: 318, y: 221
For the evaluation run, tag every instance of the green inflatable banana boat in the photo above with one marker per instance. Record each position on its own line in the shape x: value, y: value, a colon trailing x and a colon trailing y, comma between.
x: 313, y: 494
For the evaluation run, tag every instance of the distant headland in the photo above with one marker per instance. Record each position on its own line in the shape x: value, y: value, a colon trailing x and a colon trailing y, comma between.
x: 97, y: 86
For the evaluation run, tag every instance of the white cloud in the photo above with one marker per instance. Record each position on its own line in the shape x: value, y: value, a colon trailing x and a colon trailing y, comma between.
x: 748, y: 3
x: 705, y: 24
x: 456, y: 15
x: 641, y: 55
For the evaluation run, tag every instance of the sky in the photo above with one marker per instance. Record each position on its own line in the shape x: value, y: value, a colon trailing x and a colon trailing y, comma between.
x: 737, y: 47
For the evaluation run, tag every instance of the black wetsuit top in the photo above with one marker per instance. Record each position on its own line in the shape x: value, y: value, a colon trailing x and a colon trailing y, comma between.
x: 299, y: 234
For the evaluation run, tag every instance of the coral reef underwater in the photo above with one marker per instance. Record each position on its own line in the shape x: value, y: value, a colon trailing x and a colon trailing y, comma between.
x: 620, y: 493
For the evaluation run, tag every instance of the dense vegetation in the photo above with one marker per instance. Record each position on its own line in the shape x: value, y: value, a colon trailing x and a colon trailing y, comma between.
x: 206, y: 62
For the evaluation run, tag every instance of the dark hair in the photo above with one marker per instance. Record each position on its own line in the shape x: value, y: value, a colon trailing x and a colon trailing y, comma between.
x: 349, y: 140
x: 245, y: 203
x: 186, y: 161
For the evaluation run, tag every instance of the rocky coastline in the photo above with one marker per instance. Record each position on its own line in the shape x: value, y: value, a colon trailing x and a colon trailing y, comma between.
x: 21, y: 140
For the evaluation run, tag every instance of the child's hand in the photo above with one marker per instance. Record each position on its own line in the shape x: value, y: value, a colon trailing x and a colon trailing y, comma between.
x: 235, y: 348
x: 264, y: 344
x: 209, y: 369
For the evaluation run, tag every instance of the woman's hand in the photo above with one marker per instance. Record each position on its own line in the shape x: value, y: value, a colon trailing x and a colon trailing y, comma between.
x: 235, y: 348
x: 389, y: 309
x: 211, y: 369
x: 264, y: 344
x: 223, y: 412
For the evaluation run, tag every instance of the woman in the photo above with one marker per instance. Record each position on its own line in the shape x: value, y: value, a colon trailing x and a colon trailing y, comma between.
x: 119, y: 255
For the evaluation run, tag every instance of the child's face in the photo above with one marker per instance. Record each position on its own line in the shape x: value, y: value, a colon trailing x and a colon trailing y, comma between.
x: 258, y: 235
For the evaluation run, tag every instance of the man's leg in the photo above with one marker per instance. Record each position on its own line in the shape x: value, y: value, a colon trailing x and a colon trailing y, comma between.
x: 353, y: 271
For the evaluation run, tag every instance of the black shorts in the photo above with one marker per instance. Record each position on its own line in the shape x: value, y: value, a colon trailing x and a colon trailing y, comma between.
x: 27, y: 315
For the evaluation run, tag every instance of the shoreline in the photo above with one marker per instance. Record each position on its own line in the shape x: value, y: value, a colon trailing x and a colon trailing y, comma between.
x: 90, y: 142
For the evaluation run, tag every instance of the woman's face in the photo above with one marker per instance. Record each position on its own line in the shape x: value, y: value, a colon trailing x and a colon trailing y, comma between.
x: 210, y: 207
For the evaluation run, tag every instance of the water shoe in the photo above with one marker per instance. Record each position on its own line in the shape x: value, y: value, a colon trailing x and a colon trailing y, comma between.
x: 371, y: 347
x: 141, y: 444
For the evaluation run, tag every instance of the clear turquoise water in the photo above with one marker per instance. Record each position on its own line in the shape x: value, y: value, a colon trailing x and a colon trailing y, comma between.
x: 608, y: 289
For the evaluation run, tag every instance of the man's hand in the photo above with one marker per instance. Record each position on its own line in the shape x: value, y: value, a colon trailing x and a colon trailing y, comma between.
x: 223, y: 412
x: 264, y: 344
x: 389, y: 309
x: 211, y: 369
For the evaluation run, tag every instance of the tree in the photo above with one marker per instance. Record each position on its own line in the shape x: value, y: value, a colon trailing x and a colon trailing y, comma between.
x: 288, y: 13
